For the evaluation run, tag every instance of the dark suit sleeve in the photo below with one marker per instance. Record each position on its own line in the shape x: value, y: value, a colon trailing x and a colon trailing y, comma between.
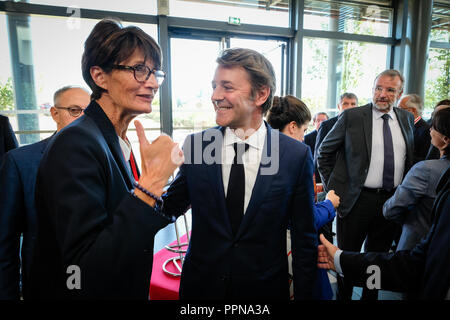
x: 321, y: 133
x: 10, y: 140
x: 11, y: 213
x: 412, y: 189
x: 177, y: 198
x: 400, y: 271
x: 303, y: 233
x: 326, y: 154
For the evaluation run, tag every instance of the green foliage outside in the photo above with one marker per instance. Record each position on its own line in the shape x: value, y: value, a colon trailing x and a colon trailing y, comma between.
x: 437, y: 85
x: 6, y: 95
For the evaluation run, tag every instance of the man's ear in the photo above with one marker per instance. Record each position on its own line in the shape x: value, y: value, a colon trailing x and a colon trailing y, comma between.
x: 262, y: 95
x: 99, y: 77
x: 54, y: 112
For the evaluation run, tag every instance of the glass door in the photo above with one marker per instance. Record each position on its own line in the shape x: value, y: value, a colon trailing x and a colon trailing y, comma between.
x: 193, y: 62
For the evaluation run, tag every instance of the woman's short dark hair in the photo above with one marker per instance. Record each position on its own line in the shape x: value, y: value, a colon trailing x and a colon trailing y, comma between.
x: 258, y: 67
x: 110, y: 43
x: 287, y: 109
x: 441, y: 123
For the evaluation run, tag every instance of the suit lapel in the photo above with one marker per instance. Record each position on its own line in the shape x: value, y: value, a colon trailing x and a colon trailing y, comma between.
x: 367, y: 123
x: 109, y: 133
x: 403, y: 123
x: 215, y: 178
x: 271, y: 152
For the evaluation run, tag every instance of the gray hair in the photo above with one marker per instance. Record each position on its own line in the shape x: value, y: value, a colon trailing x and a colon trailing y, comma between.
x: 414, y: 101
x: 58, y: 93
x: 392, y: 73
x: 348, y: 95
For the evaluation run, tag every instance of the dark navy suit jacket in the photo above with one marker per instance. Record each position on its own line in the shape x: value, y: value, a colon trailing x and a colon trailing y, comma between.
x: 17, y: 216
x: 88, y: 217
x: 424, y: 269
x: 251, y: 264
x: 8, y: 140
x: 422, y: 140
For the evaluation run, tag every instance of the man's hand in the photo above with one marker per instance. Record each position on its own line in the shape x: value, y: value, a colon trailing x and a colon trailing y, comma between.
x: 326, y: 252
x: 333, y: 197
x: 159, y: 160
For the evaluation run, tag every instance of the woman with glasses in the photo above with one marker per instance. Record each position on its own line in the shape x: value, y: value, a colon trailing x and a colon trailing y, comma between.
x: 95, y: 216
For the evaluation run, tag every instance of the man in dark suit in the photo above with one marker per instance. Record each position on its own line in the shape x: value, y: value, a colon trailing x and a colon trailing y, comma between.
x: 422, y: 140
x: 310, y: 138
x: 423, y: 269
x: 8, y: 140
x: 17, y: 210
x: 363, y: 158
x: 238, y: 244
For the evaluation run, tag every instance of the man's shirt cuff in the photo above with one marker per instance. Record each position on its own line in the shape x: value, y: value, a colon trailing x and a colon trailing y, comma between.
x: 337, y: 262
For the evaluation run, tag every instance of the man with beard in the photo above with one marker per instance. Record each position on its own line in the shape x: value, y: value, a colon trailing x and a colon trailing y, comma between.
x: 364, y: 158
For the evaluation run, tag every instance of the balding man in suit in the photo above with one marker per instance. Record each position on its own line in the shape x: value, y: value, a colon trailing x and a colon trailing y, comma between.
x: 18, y: 171
x: 414, y: 104
x: 364, y: 158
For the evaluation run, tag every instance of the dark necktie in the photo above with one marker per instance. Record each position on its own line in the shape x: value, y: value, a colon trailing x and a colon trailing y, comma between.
x: 388, y: 167
x: 236, y: 187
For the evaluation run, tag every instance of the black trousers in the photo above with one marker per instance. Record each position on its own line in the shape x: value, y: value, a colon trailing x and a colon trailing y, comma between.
x: 364, y: 222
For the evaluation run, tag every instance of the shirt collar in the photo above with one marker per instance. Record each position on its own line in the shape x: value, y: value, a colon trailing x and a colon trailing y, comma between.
x: 255, y: 140
x: 126, y: 148
x: 378, y: 114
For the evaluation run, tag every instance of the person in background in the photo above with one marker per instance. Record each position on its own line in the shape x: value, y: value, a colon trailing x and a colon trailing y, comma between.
x: 8, y: 140
x: 291, y: 116
x: 95, y: 227
x: 310, y: 138
x: 357, y: 160
x: 413, y: 200
x: 347, y: 100
x: 423, y: 269
x: 17, y: 210
x: 433, y: 152
x: 414, y: 104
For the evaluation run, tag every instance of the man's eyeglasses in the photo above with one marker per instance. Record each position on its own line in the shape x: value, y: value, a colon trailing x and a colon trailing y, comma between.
x: 142, y: 72
x: 74, y: 111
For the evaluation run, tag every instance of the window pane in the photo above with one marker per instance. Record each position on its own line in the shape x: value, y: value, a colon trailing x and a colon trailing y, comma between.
x: 437, y: 79
x: 273, y: 50
x: 248, y: 11
x: 51, y: 65
x: 191, y: 75
x: 348, y: 18
x: 130, y: 6
x: 440, y: 26
x: 332, y: 67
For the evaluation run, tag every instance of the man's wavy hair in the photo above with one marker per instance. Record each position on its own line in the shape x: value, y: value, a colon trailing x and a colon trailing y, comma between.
x: 259, y: 70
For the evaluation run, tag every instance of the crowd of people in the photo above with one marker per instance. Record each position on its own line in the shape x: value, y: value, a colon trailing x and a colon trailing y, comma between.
x: 80, y: 202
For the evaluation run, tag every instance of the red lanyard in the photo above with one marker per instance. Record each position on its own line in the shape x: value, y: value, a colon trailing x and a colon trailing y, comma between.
x: 133, y: 167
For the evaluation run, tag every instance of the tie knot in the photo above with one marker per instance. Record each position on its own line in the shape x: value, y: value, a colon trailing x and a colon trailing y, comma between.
x: 385, y: 117
x: 239, y: 149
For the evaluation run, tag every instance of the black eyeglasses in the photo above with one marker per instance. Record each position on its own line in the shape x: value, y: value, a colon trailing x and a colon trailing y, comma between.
x: 74, y: 111
x: 142, y: 72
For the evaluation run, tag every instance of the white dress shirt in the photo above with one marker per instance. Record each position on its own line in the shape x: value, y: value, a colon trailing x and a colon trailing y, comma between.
x: 251, y: 159
x: 375, y: 174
